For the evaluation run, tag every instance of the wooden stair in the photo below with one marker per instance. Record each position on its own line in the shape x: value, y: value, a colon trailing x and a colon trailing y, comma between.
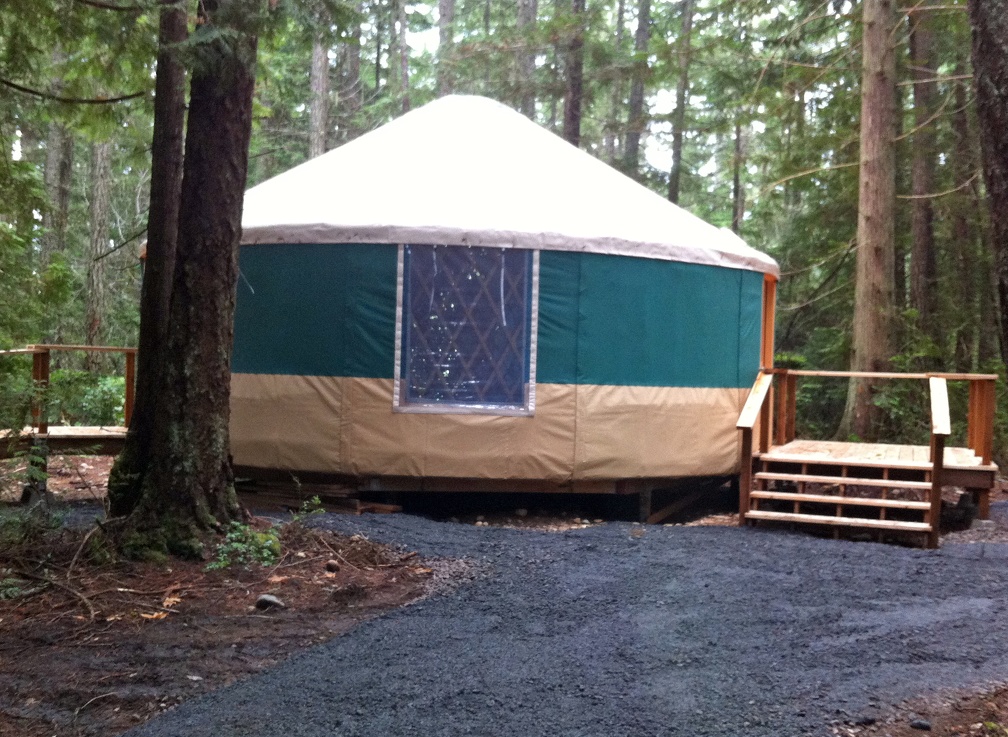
x: 884, y: 488
x: 843, y: 494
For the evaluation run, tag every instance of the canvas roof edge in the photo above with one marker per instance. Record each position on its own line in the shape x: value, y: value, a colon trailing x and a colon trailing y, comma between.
x: 438, y: 175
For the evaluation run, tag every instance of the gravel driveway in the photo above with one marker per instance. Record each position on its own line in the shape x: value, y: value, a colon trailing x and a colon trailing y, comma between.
x: 682, y: 631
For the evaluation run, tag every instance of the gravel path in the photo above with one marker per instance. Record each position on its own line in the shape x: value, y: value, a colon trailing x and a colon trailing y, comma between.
x: 682, y: 631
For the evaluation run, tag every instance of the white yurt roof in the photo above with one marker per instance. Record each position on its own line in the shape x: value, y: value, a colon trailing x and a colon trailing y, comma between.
x: 465, y: 170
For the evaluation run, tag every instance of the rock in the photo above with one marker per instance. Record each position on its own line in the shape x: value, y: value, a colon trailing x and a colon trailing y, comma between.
x: 922, y: 724
x: 521, y: 512
x: 268, y: 601
x: 983, y: 524
x: 863, y: 721
x: 332, y: 566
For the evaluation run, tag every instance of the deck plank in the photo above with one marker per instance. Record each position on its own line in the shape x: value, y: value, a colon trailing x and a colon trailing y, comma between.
x: 870, y: 454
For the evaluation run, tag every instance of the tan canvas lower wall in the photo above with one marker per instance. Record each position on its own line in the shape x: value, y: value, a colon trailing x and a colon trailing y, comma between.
x: 346, y: 425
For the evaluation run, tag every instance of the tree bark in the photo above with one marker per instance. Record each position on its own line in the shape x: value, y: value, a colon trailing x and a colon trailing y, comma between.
x: 575, y: 76
x: 189, y: 488
x: 58, y: 182
x: 318, y: 80
x: 682, y: 97
x: 130, y: 468
x: 351, y: 97
x: 528, y: 11
x: 636, y: 120
x: 446, y: 47
x: 876, y: 211
x: 989, y: 23
x: 94, y: 308
x: 923, y: 267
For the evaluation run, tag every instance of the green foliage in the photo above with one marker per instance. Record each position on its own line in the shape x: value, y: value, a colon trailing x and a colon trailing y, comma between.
x: 24, y: 526
x: 83, y: 398
x: 309, y: 508
x: 245, y: 546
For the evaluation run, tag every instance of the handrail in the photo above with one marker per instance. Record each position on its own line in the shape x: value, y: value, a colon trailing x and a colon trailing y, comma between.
x: 940, y: 422
x: 754, y: 403
x: 40, y: 354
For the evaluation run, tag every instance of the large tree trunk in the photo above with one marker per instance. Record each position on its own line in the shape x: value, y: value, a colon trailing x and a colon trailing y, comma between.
x: 319, y: 109
x: 876, y: 210
x: 446, y: 47
x: 575, y: 76
x: 636, y: 120
x: 189, y: 488
x: 923, y: 268
x: 989, y: 21
x: 129, y: 470
x: 94, y: 308
x: 682, y: 98
x: 351, y: 96
x: 528, y: 11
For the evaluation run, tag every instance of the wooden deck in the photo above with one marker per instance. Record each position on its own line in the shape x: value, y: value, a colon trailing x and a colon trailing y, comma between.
x: 68, y: 439
x: 962, y: 466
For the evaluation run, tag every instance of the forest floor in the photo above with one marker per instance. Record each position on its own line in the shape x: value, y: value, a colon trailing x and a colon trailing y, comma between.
x: 97, y: 650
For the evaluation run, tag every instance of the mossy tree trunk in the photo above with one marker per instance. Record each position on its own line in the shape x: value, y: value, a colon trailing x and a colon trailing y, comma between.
x: 129, y: 470
x: 189, y: 487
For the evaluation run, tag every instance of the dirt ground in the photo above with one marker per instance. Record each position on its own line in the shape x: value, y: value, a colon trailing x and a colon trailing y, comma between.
x: 96, y: 650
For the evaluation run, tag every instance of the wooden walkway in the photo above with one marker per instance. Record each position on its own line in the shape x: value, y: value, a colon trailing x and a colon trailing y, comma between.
x: 67, y: 439
x: 889, y: 488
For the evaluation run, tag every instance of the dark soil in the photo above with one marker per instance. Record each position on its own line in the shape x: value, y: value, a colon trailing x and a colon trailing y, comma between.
x: 95, y: 650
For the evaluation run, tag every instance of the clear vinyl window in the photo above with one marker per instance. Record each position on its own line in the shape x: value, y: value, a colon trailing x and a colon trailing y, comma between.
x: 466, y: 324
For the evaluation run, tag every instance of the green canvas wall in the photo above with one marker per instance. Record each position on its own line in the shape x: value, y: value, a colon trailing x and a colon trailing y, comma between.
x: 324, y: 310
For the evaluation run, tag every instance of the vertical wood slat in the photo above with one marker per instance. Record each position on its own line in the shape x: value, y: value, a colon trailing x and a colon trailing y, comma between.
x: 792, y: 405
x: 972, y: 418
x: 130, y: 386
x: 934, y: 514
x: 782, y: 403
x: 40, y: 378
x: 766, y: 422
x: 986, y: 443
x: 745, y: 474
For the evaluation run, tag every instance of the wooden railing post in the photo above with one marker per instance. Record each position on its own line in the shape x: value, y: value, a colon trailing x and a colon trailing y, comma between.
x: 792, y: 406
x: 40, y: 383
x: 130, y: 386
x: 754, y: 410
x: 941, y: 428
x: 745, y: 475
x: 782, y: 406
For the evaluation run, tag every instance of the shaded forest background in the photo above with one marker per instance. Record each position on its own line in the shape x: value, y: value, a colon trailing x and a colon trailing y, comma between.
x: 744, y: 112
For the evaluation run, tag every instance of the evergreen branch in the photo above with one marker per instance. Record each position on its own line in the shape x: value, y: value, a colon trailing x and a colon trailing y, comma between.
x: 936, y: 195
x: 70, y: 100
x: 140, y: 7
x: 805, y: 173
x: 934, y: 116
x: 939, y: 78
x: 119, y: 246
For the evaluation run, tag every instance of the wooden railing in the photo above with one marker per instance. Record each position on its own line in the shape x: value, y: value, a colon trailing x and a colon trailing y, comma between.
x: 979, y: 419
x: 41, y: 355
x: 759, y: 406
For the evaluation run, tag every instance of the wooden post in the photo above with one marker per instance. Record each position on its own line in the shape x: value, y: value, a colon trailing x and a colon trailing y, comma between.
x: 40, y: 381
x: 782, y: 406
x: 130, y: 386
x: 792, y: 405
x: 987, y: 428
x: 766, y: 422
x: 745, y: 475
x: 934, y: 515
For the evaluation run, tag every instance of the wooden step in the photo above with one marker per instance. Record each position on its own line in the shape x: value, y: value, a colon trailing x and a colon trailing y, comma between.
x: 842, y: 480
x: 821, y: 519
x: 845, y: 501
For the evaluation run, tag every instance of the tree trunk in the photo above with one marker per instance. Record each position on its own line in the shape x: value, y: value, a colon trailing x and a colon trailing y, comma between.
x: 319, y: 111
x: 127, y: 475
x: 403, y: 57
x: 446, y: 47
x: 528, y: 11
x: 189, y: 488
x: 351, y: 96
x: 989, y: 22
x: 738, y: 165
x: 876, y: 209
x: 923, y: 268
x: 575, y: 76
x: 94, y: 309
x: 616, y: 103
x: 682, y: 97
x: 636, y: 120
x: 58, y: 182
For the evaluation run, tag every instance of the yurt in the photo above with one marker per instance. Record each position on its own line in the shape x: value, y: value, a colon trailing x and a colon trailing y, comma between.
x: 462, y: 299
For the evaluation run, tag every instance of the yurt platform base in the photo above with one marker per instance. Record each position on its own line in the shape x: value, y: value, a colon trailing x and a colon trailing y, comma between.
x: 77, y: 439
